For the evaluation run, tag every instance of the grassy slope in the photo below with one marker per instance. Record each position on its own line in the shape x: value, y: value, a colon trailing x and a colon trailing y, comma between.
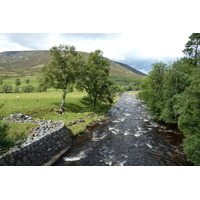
x: 30, y: 62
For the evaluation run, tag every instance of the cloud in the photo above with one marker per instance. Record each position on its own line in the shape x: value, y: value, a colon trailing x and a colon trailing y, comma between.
x: 27, y: 40
x: 138, y: 49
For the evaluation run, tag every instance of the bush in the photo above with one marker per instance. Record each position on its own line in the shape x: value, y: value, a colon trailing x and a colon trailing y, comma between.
x: 191, y: 146
x: 5, y: 141
x: 16, y: 90
x: 41, y: 88
x: 28, y: 89
x: 7, y: 88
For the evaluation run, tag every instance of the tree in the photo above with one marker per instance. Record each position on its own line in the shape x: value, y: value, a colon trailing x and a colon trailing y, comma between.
x: 7, y: 88
x: 16, y: 90
x: 192, y: 48
x: 176, y: 79
x: 17, y: 82
x: 27, y: 81
x: 61, y: 70
x: 152, y: 89
x: 189, y: 120
x: 1, y: 81
x: 5, y: 141
x: 28, y: 89
x: 94, y: 78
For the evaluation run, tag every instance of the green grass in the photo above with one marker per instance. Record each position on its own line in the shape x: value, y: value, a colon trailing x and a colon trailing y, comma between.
x: 44, y: 105
x: 17, y: 129
x: 33, y: 81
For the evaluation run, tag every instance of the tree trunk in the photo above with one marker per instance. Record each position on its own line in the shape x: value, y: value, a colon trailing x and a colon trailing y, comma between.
x: 63, y: 100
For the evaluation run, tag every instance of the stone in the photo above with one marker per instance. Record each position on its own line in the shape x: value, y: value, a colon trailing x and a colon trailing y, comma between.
x: 20, y: 115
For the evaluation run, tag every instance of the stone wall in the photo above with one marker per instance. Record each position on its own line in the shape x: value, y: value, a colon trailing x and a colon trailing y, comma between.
x: 41, y: 151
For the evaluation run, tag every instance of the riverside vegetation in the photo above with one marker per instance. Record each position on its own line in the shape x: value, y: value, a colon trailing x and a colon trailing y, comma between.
x: 173, y: 95
x: 67, y: 77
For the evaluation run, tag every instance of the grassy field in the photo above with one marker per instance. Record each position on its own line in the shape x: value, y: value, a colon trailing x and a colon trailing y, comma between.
x: 44, y: 105
x: 33, y: 81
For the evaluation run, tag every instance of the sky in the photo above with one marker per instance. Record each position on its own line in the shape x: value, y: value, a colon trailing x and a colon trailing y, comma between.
x: 139, y: 50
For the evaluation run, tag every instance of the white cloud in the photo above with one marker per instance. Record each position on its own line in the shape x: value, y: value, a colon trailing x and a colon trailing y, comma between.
x: 139, y: 49
x: 117, y: 46
x: 10, y: 46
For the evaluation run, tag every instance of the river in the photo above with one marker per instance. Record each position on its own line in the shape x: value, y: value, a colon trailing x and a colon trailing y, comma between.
x: 128, y: 138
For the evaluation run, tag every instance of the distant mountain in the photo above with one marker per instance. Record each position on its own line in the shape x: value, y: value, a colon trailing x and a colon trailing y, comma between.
x: 23, y: 63
x: 131, y: 69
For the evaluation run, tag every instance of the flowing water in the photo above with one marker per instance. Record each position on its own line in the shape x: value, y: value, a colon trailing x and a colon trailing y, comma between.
x: 129, y: 138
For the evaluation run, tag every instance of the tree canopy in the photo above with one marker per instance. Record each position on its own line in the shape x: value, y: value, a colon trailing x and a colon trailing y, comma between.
x: 192, y: 48
x: 61, y: 69
x: 94, y: 78
x: 173, y: 95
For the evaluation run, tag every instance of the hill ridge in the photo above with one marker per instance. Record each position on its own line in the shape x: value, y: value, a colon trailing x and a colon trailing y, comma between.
x: 22, y: 63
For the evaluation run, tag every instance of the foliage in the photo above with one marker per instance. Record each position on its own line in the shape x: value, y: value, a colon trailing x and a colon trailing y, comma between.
x: 1, y: 81
x: 17, y: 82
x: 27, y: 81
x: 7, y: 88
x: 5, y: 141
x: 94, y: 78
x: 28, y: 89
x: 174, y: 96
x: 16, y: 90
x: 192, y: 49
x: 61, y: 70
x: 176, y: 79
x: 191, y: 146
x: 41, y: 87
x: 152, y: 89
x: 127, y: 83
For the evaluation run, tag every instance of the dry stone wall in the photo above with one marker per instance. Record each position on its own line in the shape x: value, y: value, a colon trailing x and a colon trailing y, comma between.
x: 43, y: 147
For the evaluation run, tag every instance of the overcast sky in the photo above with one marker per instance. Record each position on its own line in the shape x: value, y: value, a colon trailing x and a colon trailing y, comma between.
x: 136, y: 49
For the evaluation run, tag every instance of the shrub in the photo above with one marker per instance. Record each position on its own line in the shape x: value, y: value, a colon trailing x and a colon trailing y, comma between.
x: 28, y: 89
x: 41, y: 88
x: 5, y: 141
x: 16, y: 90
x: 7, y: 88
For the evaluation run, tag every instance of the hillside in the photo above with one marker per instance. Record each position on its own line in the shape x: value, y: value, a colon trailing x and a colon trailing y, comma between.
x: 23, y: 63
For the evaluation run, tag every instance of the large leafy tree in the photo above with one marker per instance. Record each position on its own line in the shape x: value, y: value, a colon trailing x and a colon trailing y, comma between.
x: 189, y: 121
x: 152, y: 89
x: 61, y: 70
x: 192, y: 49
x: 94, y: 78
x: 176, y: 79
x: 176, y: 97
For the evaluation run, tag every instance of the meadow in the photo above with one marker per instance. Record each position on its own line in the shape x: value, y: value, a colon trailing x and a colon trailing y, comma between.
x: 44, y: 105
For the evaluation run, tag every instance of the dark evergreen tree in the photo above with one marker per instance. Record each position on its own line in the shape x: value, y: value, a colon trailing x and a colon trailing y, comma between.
x: 192, y: 49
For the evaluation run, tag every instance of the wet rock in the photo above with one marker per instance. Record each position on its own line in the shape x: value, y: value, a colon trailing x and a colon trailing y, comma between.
x: 90, y: 115
x: 76, y: 121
